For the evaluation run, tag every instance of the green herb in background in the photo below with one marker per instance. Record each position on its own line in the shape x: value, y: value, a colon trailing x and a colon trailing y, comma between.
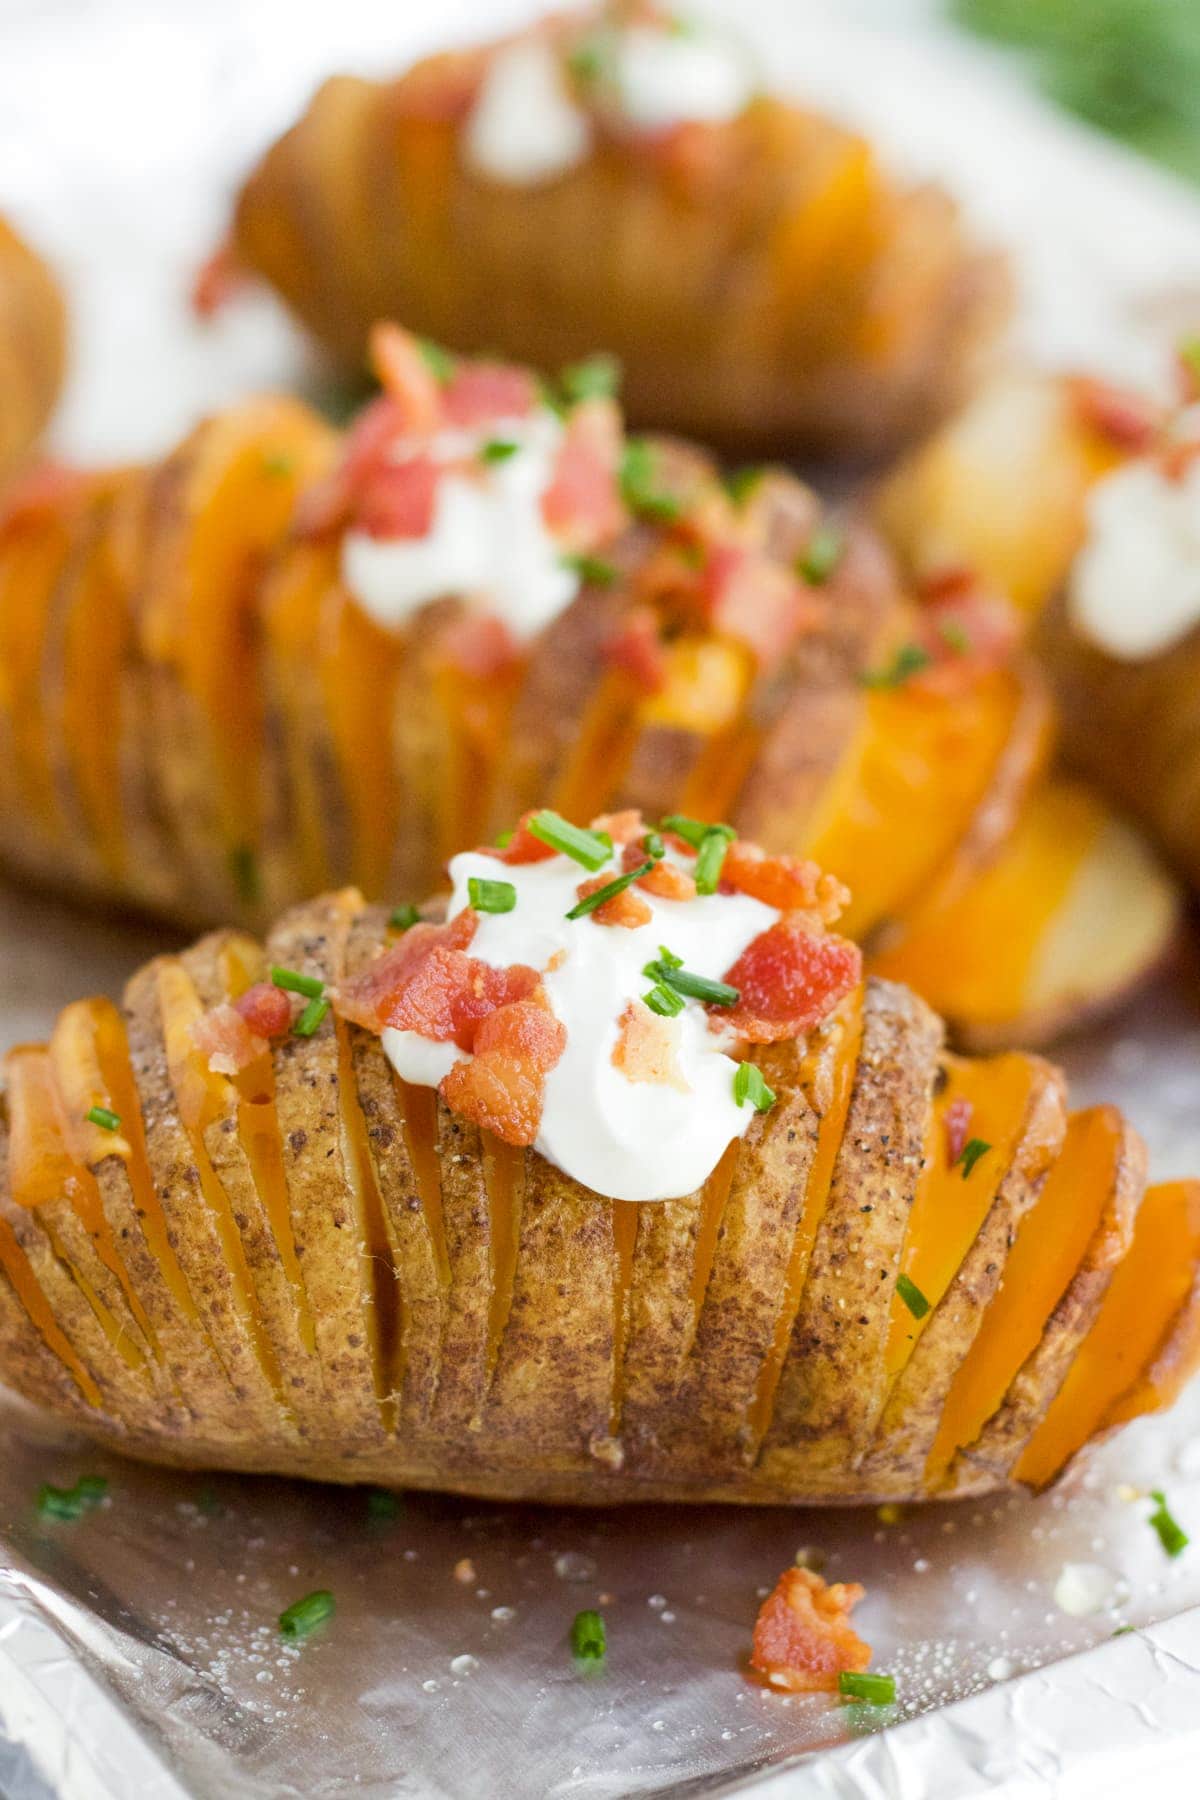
x: 1132, y: 67
x: 589, y: 1640
x: 71, y: 1503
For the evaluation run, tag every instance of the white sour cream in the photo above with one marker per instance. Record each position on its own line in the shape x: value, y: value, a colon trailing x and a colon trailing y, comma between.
x: 525, y: 127
x: 663, y: 78
x: 488, y: 541
x: 628, y: 1140
x: 1135, y: 587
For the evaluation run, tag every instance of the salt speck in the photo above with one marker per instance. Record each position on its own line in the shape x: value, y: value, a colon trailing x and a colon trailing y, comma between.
x: 726, y: 1736
x: 658, y: 1725
x: 430, y: 1687
x: 1084, y: 1588
x: 571, y: 1565
x: 921, y: 1565
x: 1001, y: 1667
x: 502, y: 1614
x: 667, y: 1618
x: 464, y: 1665
x: 656, y: 1602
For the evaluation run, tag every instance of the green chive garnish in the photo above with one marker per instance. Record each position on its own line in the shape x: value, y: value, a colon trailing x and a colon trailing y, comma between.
x: 954, y: 636
x: 693, y: 831
x: 878, y: 1690
x: 609, y: 891
x: 1171, y: 1535
x: 491, y: 896
x: 278, y: 462
x: 403, y: 918
x: 589, y: 1642
x: 590, y: 849
x: 243, y: 867
x: 592, y: 569
x: 654, y: 847
x: 311, y: 1019
x: 303, y: 1616
x: 1189, y: 356
x: 596, y: 378
x: 71, y: 1503
x: 710, y: 857
x: 665, y: 956
x: 383, y: 1504
x: 296, y: 983
x: 972, y: 1150
x: 741, y: 483
x: 912, y: 1296
x: 439, y: 362
x: 908, y: 661
x: 498, y: 450
x: 748, y: 1084
x: 822, y: 555
x: 504, y: 838
x: 100, y: 1115
x: 693, y: 987
x: 664, y: 1001
x: 638, y: 489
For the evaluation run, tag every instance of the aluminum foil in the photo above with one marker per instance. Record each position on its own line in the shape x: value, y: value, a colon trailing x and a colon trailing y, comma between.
x: 139, y: 1652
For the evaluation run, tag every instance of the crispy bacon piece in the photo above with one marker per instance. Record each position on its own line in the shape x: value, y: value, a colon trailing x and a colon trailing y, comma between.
x: 522, y: 847
x: 957, y: 1125
x: 368, y: 998
x: 266, y: 1009
x: 789, y: 979
x: 1177, y: 457
x: 625, y: 909
x: 397, y: 499
x: 40, y: 490
x: 502, y: 1087
x: 622, y: 827
x: 666, y: 880
x: 637, y: 647
x: 756, y: 600
x: 803, y: 1639
x: 647, y: 1048
x: 448, y: 995
x: 406, y: 378
x: 789, y: 883
x: 226, y: 1041
x: 478, y: 392
x: 216, y: 281
x: 481, y: 646
x: 329, y: 504
x: 1129, y: 420
x: 582, y: 503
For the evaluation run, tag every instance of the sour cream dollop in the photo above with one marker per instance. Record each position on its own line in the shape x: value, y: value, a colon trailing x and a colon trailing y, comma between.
x: 662, y: 78
x: 626, y: 1139
x: 487, y: 541
x: 524, y: 127
x: 1135, y: 587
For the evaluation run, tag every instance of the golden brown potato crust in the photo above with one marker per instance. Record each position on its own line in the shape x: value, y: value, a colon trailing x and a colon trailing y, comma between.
x: 33, y: 347
x: 319, y: 1270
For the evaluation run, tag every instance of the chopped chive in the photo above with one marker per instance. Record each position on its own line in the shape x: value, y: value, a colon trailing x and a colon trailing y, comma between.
x: 609, y: 891
x: 586, y: 61
x: 822, y: 555
x: 596, y: 378
x: 972, y: 1150
x: 955, y: 636
x: 590, y: 849
x: 278, y: 462
x: 303, y: 1616
x: 403, y: 917
x: 912, y: 1296
x: 296, y: 983
x: 664, y: 1001
x: 908, y: 661
x: 595, y: 570
x: 879, y: 1690
x: 498, y: 450
x: 504, y: 838
x: 740, y: 483
x: 71, y: 1503
x: 491, y: 896
x: 637, y: 481
x: 383, y: 1504
x: 654, y: 847
x: 439, y: 362
x: 1122, y: 1630
x: 710, y: 857
x: 666, y: 956
x: 693, y: 831
x: 1189, y: 356
x: 589, y: 1642
x: 748, y: 1084
x: 100, y: 1115
x: 243, y: 868
x: 693, y: 987
x: 1171, y: 1535
x: 311, y: 1019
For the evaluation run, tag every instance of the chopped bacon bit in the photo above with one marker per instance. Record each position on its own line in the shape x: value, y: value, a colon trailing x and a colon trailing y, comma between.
x: 226, y: 1041
x: 789, y: 979
x: 448, y: 995
x: 666, y: 880
x: 637, y: 648
x: 582, y: 503
x: 39, y: 490
x: 756, y: 600
x: 367, y: 999
x: 481, y: 646
x: 803, y: 1639
x: 266, y: 1009
x: 522, y: 847
x: 626, y: 909
x: 622, y: 827
x: 329, y: 504
x: 397, y: 500
x: 480, y: 392
x: 953, y: 581
x: 406, y: 378
x: 788, y: 883
x: 502, y: 1087
x: 647, y: 1048
x: 965, y: 629
x: 957, y: 1125
x: 216, y: 281
x: 1129, y: 420
x: 1178, y: 458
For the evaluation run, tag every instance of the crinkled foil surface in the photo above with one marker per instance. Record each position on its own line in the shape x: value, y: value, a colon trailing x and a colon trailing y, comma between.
x: 139, y: 1655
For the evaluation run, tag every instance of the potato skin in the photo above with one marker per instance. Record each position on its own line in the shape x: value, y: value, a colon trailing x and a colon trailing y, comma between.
x: 33, y: 347
x: 460, y: 1315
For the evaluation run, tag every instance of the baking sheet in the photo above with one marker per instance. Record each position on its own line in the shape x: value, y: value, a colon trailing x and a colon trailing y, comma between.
x: 138, y: 1648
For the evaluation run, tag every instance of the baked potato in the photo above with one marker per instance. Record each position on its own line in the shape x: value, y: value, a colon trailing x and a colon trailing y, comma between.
x: 32, y: 347
x: 241, y: 1227
x: 262, y: 668
x: 1079, y: 501
x: 617, y: 179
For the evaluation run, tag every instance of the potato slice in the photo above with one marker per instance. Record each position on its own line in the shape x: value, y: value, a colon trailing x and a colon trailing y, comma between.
x: 33, y: 347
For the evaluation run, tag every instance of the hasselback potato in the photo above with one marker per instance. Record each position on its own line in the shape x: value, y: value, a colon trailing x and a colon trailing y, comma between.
x: 233, y: 1235
x: 32, y: 347
x: 615, y: 180
x: 262, y: 668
